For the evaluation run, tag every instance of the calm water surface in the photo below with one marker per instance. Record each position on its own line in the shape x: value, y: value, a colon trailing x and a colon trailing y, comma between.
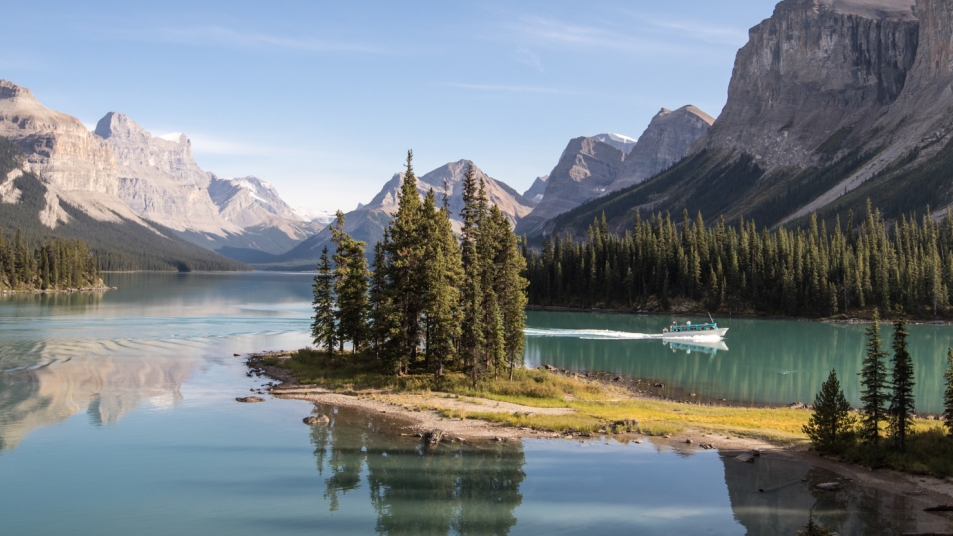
x: 117, y: 416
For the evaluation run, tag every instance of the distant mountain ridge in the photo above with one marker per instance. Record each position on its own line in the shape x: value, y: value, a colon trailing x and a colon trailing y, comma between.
x: 590, y: 167
x: 367, y: 223
x: 160, y: 180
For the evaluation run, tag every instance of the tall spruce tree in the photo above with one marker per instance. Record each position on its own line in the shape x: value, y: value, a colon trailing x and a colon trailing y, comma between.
x: 407, y: 271
x: 902, y: 403
x: 442, y: 293
x: 509, y: 288
x: 379, y: 314
x: 873, y: 382
x: 948, y: 394
x: 351, y: 286
x: 323, y: 329
x: 473, y: 337
x: 831, y: 421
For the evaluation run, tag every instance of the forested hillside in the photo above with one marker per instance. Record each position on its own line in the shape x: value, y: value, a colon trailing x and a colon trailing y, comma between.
x: 814, y: 271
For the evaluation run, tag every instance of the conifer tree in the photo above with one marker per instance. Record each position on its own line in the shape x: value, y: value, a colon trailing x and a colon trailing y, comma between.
x: 873, y: 381
x: 948, y: 394
x: 442, y: 293
x: 323, y: 329
x: 510, y: 289
x: 379, y: 313
x: 831, y: 420
x: 407, y: 270
x: 473, y: 338
x: 351, y: 285
x: 902, y: 403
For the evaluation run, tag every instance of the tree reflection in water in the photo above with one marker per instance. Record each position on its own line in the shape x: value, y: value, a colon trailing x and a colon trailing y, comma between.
x: 416, y: 489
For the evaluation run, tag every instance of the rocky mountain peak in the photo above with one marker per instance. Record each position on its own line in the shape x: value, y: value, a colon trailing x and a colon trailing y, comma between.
x: 9, y: 90
x: 115, y: 125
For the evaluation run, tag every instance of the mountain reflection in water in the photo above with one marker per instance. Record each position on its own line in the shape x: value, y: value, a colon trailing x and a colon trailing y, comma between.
x: 106, y: 387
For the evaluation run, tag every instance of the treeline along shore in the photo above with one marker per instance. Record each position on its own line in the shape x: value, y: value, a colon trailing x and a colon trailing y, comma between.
x: 815, y: 272
x: 53, y: 266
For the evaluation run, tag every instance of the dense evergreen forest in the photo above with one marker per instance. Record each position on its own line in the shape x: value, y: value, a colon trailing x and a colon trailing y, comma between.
x: 120, y: 246
x: 661, y: 265
x: 433, y: 302
x: 55, y: 265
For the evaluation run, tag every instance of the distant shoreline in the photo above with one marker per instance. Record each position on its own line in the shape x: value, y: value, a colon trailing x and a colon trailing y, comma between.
x: 851, y: 320
x: 102, y: 288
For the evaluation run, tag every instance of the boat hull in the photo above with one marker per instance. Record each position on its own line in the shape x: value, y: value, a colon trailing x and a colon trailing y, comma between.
x: 707, y: 335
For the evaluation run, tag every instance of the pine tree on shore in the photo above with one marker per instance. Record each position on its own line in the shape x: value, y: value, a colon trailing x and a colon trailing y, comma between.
x: 441, y: 293
x: 510, y: 289
x: 323, y: 329
x: 831, y: 420
x: 351, y: 285
x: 380, y: 312
x: 407, y: 270
x: 473, y: 338
x: 902, y: 402
x: 873, y: 381
x: 948, y: 394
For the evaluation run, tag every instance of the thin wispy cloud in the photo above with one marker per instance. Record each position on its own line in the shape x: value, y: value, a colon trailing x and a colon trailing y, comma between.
x: 513, y: 88
x: 226, y: 37
x: 529, y: 58
x: 698, y: 31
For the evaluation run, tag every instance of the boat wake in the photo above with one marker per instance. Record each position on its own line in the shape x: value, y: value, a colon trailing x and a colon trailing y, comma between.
x: 589, y: 334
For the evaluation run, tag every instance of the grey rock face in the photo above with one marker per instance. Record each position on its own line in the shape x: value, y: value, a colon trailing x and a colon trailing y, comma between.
x: 586, y: 169
x: 665, y: 141
x: 815, y: 68
x: 160, y: 179
x: 536, y: 191
x: 590, y: 168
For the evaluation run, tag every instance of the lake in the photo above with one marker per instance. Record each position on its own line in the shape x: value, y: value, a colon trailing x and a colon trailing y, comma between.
x: 117, y: 416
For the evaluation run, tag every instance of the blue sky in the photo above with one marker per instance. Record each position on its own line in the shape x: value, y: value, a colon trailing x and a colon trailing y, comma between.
x: 323, y: 99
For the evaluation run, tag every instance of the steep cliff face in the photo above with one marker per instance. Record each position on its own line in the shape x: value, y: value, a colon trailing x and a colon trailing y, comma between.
x: 77, y: 167
x: 817, y: 71
x: 586, y: 169
x: 667, y: 139
x: 160, y: 179
x: 367, y: 223
x: 830, y: 100
x: 58, y: 146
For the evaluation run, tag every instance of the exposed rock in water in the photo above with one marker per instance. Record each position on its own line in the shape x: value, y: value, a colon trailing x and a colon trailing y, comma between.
x: 316, y: 419
x: 250, y: 399
x: 747, y: 457
x: 829, y: 486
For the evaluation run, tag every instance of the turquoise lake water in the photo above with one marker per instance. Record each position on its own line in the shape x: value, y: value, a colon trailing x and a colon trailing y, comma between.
x: 117, y: 416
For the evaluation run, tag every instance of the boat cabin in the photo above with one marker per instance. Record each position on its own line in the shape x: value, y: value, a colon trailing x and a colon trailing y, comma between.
x: 688, y: 326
